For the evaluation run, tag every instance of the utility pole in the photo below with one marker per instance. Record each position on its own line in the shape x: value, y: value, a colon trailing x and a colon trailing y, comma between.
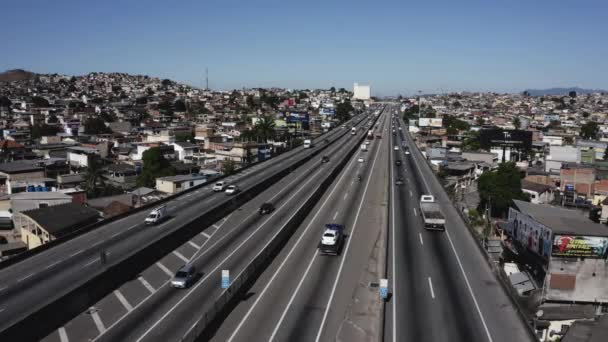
x: 206, y: 78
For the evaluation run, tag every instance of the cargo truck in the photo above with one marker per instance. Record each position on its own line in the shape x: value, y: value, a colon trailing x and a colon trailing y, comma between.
x: 431, y: 213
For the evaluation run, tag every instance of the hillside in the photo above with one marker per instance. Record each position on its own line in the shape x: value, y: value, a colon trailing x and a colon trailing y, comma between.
x: 562, y: 91
x: 16, y: 75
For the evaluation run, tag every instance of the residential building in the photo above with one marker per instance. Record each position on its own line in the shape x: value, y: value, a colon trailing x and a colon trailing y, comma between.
x: 175, y: 184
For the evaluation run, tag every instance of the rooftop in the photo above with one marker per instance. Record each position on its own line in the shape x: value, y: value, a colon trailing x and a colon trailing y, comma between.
x: 19, y: 167
x: 63, y: 218
x: 182, y: 178
x: 561, y: 220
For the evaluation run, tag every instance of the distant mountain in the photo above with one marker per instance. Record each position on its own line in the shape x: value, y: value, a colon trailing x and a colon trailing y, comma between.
x: 562, y: 91
x: 16, y: 75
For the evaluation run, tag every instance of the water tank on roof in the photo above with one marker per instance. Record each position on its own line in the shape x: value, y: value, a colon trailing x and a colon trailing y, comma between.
x: 31, y: 188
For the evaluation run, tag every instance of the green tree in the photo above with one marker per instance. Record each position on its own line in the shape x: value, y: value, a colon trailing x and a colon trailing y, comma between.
x: 480, y: 121
x: 180, y: 106
x: 53, y: 119
x: 155, y: 165
x: 40, y: 101
x: 42, y: 130
x: 343, y: 111
x: 5, y: 101
x: 166, y: 82
x: 265, y: 128
x: 184, y: 137
x: 250, y: 102
x: 228, y: 167
x: 332, y: 89
x: 95, y: 125
x: 93, y: 178
x: 471, y: 142
x: 454, y: 125
x: 499, y: 188
x: 516, y: 122
x: 590, y: 130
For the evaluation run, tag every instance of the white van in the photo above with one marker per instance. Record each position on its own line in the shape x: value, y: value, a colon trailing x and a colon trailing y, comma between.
x: 307, y: 143
x: 157, y: 215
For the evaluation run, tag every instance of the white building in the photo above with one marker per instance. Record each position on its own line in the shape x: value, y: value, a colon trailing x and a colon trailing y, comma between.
x: 361, y: 92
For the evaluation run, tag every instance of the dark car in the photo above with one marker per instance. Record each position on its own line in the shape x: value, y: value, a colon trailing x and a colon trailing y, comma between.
x: 266, y: 208
x: 398, y: 162
x: 399, y: 181
x: 324, y: 159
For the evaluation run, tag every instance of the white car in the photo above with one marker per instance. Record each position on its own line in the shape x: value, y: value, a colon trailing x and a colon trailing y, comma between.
x: 367, y: 142
x: 232, y: 189
x: 396, y: 148
x: 219, y: 186
x: 407, y: 152
x: 360, y: 160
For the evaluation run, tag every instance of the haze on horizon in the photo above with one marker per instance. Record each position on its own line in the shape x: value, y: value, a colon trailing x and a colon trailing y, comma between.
x: 398, y: 47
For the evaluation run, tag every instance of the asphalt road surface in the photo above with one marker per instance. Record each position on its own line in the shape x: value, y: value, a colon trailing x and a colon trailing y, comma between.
x: 32, y: 283
x: 442, y: 286
x: 305, y: 296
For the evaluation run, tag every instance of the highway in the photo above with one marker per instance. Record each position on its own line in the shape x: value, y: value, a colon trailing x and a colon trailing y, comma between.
x: 165, y: 314
x: 305, y: 296
x: 31, y: 283
x: 442, y: 286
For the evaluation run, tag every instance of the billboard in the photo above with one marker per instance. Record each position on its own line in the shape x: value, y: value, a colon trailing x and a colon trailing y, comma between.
x: 576, y: 246
x: 530, y: 234
x: 327, y: 111
x: 430, y: 122
x: 497, y: 137
x: 297, y: 117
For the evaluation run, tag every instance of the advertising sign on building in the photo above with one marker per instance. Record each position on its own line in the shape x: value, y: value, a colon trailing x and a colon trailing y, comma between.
x: 430, y: 122
x: 530, y: 234
x: 580, y: 246
x: 297, y: 117
x: 327, y: 111
x: 489, y: 138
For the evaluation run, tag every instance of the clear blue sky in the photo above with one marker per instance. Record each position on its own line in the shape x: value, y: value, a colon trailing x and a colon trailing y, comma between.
x: 397, y: 46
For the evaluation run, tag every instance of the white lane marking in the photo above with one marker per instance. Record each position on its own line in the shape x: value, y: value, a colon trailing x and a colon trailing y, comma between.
x: 52, y: 264
x: 431, y: 287
x: 97, y: 243
x: 133, y: 226
x: 165, y: 269
x: 216, y: 226
x: 284, y: 262
x: 206, y: 241
x: 3, y: 288
x: 76, y: 253
x: 345, y: 195
x: 221, y: 263
x: 97, y: 320
x: 394, y: 268
x: 1, y: 309
x: 63, y: 335
x: 27, y: 276
x: 483, y: 320
x: 335, y: 215
x: 116, y: 234
x: 194, y: 245
x: 145, y: 283
x: 205, y: 235
x: 415, y: 213
x: 350, y: 239
x: 411, y: 195
x: 420, y: 235
x: 90, y: 263
x: 180, y: 255
x: 123, y: 300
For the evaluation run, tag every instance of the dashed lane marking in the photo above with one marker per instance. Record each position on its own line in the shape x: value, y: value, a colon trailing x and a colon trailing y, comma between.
x: 147, y: 285
x: 165, y: 269
x: 123, y: 300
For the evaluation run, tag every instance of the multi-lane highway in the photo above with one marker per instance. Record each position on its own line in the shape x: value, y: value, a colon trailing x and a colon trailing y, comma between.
x: 166, y: 314
x: 305, y: 296
x: 442, y: 287
x: 30, y: 284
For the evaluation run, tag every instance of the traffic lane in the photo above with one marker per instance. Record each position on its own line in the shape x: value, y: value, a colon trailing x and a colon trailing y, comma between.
x: 237, y: 216
x: 306, y: 313
x: 257, y: 317
x: 90, y: 258
x: 176, y: 321
x: 103, y: 232
x: 318, y: 172
x: 493, y: 307
x: 438, y: 291
x: 369, y: 216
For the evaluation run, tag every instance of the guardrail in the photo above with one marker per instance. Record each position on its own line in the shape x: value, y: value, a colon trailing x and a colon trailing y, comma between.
x: 209, y: 322
x: 57, y: 311
x: 29, y: 253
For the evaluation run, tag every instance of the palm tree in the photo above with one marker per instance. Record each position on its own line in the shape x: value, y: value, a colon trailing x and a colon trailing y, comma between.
x: 93, y: 177
x: 265, y: 128
x: 516, y: 122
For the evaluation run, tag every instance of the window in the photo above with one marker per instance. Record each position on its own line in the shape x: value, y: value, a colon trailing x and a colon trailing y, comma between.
x: 191, y: 184
x: 43, y: 205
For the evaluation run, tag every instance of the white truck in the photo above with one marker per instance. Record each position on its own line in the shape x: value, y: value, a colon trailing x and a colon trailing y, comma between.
x: 157, y: 215
x: 431, y: 213
x: 307, y: 143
